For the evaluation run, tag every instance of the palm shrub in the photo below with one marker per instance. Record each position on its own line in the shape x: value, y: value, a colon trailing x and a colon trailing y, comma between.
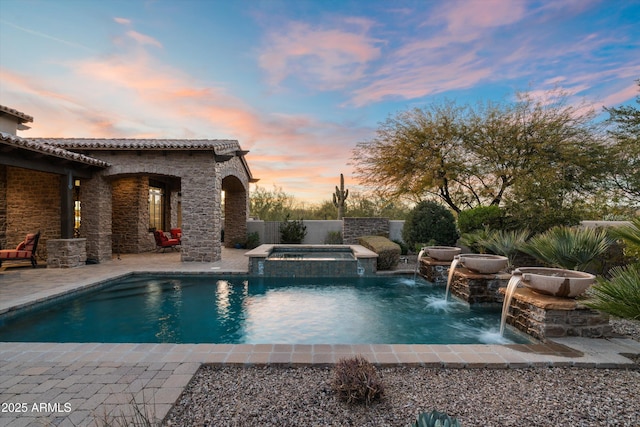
x: 619, y: 295
x: 505, y: 242
x: 570, y: 248
x: 474, y: 240
x: 430, y: 222
x: 631, y: 236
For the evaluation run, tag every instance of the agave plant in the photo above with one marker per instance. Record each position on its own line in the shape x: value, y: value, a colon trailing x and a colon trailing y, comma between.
x: 571, y: 248
x: 435, y: 419
x: 620, y: 295
x: 506, y: 243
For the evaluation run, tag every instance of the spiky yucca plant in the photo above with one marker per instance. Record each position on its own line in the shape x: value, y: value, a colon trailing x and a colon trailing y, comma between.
x: 506, y: 242
x: 571, y: 248
x: 631, y: 236
x: 620, y: 295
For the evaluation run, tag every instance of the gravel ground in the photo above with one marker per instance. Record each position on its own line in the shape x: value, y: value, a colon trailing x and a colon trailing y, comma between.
x: 277, y: 396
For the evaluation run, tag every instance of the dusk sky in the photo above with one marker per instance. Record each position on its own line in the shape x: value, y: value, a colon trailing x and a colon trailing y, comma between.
x: 299, y: 82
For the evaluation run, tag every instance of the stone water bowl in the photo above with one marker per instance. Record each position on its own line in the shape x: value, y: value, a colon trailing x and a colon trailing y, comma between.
x: 557, y: 282
x: 484, y: 263
x: 442, y: 253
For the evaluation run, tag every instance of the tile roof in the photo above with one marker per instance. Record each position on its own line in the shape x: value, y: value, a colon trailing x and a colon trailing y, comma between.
x: 219, y: 146
x: 42, y: 147
x: 23, y: 118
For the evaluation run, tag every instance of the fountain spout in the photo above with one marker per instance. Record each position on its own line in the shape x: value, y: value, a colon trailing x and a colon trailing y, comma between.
x: 515, y: 280
x: 452, y: 269
x: 415, y: 273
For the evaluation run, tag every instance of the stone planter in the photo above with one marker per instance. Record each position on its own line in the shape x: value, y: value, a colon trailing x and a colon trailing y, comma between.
x: 483, y: 263
x: 442, y: 253
x: 555, y: 281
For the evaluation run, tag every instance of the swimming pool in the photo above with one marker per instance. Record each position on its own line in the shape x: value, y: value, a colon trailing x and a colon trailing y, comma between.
x: 244, y: 309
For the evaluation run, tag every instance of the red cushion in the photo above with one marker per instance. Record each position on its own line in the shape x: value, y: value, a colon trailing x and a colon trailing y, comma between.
x: 14, y: 254
x: 171, y: 242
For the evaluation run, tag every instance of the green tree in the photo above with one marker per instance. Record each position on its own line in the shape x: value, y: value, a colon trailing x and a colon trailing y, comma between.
x: 272, y: 205
x: 625, y: 130
x: 528, y: 151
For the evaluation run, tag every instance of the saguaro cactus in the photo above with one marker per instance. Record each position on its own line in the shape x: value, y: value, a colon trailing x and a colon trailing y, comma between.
x: 339, y: 197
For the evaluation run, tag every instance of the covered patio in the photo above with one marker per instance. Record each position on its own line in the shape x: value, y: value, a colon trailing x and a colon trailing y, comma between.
x: 91, y: 198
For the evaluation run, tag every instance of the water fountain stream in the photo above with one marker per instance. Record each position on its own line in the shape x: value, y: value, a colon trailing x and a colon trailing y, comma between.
x: 415, y: 273
x: 508, y: 295
x: 452, y: 269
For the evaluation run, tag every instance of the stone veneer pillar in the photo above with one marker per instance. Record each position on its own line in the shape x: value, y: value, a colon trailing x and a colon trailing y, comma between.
x: 436, y: 272
x: 96, y: 208
x: 477, y: 288
x: 66, y: 253
x: 201, y: 212
x: 544, y: 316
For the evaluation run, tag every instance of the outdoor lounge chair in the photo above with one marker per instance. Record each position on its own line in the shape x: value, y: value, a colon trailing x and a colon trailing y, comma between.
x: 163, y: 242
x: 176, y: 233
x: 26, y: 250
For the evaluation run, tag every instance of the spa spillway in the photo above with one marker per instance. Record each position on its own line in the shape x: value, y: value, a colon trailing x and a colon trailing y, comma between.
x: 311, y: 261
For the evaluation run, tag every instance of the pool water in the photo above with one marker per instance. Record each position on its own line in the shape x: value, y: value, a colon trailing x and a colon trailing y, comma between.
x: 241, y: 309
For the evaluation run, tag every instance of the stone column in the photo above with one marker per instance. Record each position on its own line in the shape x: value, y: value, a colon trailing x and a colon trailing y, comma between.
x: 95, y: 211
x: 201, y: 223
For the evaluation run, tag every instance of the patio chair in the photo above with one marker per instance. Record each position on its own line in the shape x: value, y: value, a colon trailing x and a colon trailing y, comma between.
x: 163, y: 242
x: 176, y: 233
x: 26, y: 250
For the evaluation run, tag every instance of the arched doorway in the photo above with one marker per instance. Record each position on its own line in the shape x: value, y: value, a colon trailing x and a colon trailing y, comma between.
x: 235, y: 211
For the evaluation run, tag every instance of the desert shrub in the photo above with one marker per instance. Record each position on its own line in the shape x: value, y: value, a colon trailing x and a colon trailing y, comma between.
x: 292, y: 231
x: 388, y: 252
x: 430, y: 222
x: 333, y: 238
x: 506, y: 243
x: 253, y: 240
x: 356, y: 380
x: 619, y: 295
x: 479, y: 218
x: 404, y: 249
x: 571, y: 248
x: 474, y: 240
x: 630, y: 234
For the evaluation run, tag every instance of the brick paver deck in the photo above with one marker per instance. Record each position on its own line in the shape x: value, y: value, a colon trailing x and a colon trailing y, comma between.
x: 75, y: 384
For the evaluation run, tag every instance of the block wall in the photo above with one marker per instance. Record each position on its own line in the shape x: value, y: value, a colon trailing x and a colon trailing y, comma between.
x: 33, y: 203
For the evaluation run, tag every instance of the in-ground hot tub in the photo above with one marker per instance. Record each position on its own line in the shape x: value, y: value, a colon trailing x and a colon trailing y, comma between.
x: 312, y: 261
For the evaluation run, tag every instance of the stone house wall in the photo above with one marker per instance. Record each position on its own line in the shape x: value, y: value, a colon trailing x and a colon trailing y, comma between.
x: 3, y: 207
x: 130, y: 221
x: 235, y: 183
x: 199, y: 179
x: 33, y: 204
x: 353, y: 228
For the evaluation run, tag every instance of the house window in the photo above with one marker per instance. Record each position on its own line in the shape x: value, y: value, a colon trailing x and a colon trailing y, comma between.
x: 156, y: 208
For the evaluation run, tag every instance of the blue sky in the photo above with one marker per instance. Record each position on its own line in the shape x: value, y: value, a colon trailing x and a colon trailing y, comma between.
x: 299, y: 82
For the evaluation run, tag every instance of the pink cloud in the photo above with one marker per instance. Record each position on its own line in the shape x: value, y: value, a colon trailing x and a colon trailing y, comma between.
x: 143, y: 39
x: 324, y: 58
x: 464, y: 19
x: 132, y: 94
x: 122, y: 21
